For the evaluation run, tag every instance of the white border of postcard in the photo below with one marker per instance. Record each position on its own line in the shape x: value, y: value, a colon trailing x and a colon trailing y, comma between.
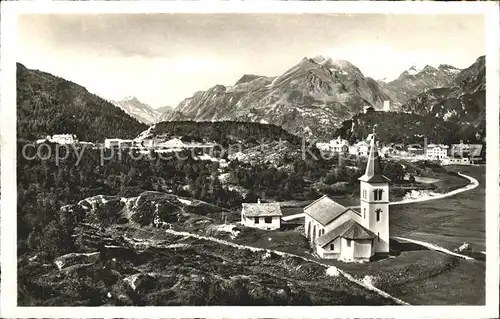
x: 10, y: 10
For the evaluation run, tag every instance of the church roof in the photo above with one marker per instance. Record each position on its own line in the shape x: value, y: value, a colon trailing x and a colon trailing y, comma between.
x: 373, y: 173
x: 324, y: 210
x: 349, y: 230
x: 262, y: 209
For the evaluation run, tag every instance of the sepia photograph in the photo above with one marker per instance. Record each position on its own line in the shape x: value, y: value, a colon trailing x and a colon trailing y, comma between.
x: 225, y: 158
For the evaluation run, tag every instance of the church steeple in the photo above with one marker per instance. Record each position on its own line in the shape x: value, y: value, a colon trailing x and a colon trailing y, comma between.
x: 374, y: 199
x: 373, y: 173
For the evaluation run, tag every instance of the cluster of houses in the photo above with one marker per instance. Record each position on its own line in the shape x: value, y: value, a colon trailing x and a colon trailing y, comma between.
x: 456, y: 154
x: 336, y: 231
x: 63, y: 139
x: 174, y: 144
x: 387, y: 107
x: 204, y: 151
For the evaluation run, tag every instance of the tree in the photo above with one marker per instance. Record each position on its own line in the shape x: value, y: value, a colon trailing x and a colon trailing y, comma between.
x: 394, y: 171
x: 55, y: 241
x: 204, y: 192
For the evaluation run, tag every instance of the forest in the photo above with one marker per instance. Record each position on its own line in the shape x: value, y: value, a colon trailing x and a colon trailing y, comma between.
x: 48, y: 105
x: 224, y: 132
x: 406, y: 128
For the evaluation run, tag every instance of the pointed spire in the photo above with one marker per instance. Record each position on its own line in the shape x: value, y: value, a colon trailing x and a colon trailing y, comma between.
x: 373, y: 173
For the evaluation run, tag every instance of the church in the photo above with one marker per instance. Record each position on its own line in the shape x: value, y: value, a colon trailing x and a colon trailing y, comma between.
x: 336, y: 231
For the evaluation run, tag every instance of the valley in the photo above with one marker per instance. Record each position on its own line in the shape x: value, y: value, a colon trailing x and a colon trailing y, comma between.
x: 118, y: 225
x: 135, y: 265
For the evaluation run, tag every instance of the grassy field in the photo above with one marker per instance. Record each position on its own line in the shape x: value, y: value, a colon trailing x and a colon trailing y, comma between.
x: 421, y: 276
x: 177, y: 270
x: 446, y: 222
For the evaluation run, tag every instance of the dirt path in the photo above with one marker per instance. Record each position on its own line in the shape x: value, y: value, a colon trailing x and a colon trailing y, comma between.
x: 328, y: 268
x: 473, y: 183
x: 433, y: 247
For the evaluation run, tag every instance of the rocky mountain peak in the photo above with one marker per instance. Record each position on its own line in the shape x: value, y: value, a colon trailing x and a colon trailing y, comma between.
x: 429, y: 68
x: 320, y: 59
x: 247, y: 78
x: 130, y: 98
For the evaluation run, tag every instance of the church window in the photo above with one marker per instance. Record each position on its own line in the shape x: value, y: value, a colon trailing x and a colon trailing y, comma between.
x: 364, y: 212
x: 378, y: 212
x: 332, y: 247
x: 377, y: 193
x: 378, y: 236
x: 364, y: 193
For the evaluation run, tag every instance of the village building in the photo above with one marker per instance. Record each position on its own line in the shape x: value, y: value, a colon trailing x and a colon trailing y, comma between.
x: 415, y: 149
x: 147, y: 143
x: 387, y: 106
x: 175, y: 143
x: 261, y: 215
x: 360, y: 149
x: 118, y: 142
x: 337, y: 145
x: 336, y: 231
x: 386, y: 151
x: 436, y: 151
x: 323, y: 146
x: 368, y: 109
x: 466, y: 150
x: 456, y: 161
x: 59, y: 139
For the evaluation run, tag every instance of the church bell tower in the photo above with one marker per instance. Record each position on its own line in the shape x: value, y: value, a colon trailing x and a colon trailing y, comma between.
x: 374, y: 198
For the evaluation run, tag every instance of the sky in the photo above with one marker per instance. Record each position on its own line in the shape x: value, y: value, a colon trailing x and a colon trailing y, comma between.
x: 163, y: 58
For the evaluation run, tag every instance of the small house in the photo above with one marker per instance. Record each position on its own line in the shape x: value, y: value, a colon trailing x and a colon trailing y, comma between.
x: 368, y: 109
x: 362, y: 149
x: 261, y: 215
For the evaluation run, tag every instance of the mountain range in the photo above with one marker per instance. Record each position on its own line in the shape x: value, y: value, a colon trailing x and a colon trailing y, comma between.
x: 317, y: 95
x: 463, y: 101
x: 415, y: 81
x: 308, y: 99
x: 141, y: 111
x: 311, y: 99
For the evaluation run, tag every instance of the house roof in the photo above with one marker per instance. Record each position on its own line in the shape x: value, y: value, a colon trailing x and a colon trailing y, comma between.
x: 349, y: 230
x: 437, y: 145
x: 262, y: 209
x: 324, y: 210
x: 373, y: 173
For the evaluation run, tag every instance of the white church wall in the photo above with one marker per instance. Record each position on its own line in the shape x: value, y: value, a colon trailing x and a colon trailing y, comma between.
x: 327, y: 252
x: 347, y: 249
x: 313, y: 228
x: 363, y: 249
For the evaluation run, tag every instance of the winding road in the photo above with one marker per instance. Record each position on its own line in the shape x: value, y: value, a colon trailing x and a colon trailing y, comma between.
x: 332, y: 269
x: 473, y: 183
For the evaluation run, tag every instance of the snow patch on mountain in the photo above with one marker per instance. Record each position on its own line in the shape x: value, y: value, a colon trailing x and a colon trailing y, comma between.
x: 135, y: 108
